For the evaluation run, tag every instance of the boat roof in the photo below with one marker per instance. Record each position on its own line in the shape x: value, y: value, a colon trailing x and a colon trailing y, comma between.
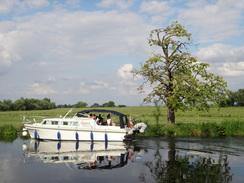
x: 103, y: 111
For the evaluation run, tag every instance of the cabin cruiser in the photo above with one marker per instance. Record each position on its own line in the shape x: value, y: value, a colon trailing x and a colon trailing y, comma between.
x: 85, y: 127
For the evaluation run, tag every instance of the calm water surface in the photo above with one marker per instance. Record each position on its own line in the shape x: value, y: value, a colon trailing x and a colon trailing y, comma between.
x: 145, y: 160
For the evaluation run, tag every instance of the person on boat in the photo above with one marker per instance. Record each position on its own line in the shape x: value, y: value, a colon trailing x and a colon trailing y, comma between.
x: 99, y: 120
x: 131, y: 123
x: 90, y: 116
x: 110, y: 122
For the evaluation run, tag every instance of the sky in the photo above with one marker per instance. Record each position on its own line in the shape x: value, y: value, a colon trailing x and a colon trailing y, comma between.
x: 84, y: 50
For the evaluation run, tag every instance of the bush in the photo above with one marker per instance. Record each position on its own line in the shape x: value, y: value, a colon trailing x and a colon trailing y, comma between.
x: 210, y: 129
x: 8, y: 130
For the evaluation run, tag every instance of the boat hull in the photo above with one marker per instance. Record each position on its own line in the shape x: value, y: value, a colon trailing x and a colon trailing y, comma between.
x: 103, y: 133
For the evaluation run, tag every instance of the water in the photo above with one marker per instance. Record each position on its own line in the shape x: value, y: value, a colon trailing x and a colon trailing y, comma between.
x: 145, y: 160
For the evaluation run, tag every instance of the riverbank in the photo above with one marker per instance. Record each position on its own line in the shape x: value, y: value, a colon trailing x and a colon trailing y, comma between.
x: 226, y: 128
x: 209, y: 129
x: 222, y: 122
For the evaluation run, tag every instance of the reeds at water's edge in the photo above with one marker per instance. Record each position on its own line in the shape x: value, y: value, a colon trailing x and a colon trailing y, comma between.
x: 226, y: 128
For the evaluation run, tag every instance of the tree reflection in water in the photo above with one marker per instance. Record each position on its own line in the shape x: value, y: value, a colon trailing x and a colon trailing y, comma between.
x: 188, y: 168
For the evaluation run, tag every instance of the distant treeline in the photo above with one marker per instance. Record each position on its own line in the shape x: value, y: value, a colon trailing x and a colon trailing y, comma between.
x: 44, y: 104
x: 84, y: 105
x: 233, y: 99
x: 26, y: 104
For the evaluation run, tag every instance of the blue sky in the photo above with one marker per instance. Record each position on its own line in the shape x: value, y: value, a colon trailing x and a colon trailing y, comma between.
x: 80, y: 50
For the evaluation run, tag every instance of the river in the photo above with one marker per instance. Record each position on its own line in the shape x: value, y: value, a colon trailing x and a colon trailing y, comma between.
x: 146, y: 160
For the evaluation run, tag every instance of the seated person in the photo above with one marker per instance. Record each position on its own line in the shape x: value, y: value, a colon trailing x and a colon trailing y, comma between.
x: 99, y: 119
x: 110, y: 122
x: 109, y: 119
x: 90, y: 116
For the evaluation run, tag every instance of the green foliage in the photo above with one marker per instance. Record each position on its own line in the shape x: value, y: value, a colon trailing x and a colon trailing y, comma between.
x: 80, y: 105
x: 109, y: 104
x: 95, y: 105
x: 121, y: 105
x: 177, y: 79
x: 155, y: 130
x: 8, y: 130
x: 8, y: 133
x: 240, y: 97
x: 26, y: 104
x: 226, y: 128
x: 157, y: 112
x: 234, y: 98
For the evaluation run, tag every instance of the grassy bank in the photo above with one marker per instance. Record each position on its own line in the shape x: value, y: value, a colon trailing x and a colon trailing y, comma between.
x: 227, y: 121
x: 209, y: 129
x: 6, y: 130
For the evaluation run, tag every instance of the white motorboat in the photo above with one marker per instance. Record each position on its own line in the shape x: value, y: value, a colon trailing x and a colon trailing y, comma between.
x: 82, y: 127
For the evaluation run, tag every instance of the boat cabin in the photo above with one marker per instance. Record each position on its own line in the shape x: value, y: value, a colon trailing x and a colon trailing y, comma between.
x: 82, y: 119
x: 122, y: 118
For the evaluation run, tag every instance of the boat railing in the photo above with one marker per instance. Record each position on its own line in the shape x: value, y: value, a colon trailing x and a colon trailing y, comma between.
x: 32, y: 119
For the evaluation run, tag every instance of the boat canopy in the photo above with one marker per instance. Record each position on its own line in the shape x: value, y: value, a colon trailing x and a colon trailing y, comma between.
x: 122, y: 117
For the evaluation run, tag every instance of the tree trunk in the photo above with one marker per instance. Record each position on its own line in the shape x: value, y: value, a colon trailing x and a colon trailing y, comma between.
x: 170, y: 115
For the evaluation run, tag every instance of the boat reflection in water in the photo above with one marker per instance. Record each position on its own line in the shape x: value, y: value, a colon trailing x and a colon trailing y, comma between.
x: 81, y: 155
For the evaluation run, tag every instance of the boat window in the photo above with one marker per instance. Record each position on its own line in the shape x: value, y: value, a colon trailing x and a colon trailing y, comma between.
x: 65, y: 123
x: 54, y: 122
x: 46, y: 122
x: 74, y: 124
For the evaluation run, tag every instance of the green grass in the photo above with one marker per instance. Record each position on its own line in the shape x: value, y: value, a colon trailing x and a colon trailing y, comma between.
x: 227, y: 121
x: 221, y: 129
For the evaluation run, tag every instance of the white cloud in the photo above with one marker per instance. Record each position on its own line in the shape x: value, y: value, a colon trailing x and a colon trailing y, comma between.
x: 126, y: 76
x: 124, y: 72
x: 6, y: 60
x: 128, y: 91
x: 21, y: 6
x: 121, y: 4
x: 74, y: 3
x: 99, y: 85
x: 128, y: 83
x: 74, y: 36
x: 156, y: 7
x: 83, y: 88
x: 214, y: 22
x: 225, y: 60
x: 158, y: 11
x: 40, y: 89
x: 6, y: 6
x: 51, y: 79
x: 62, y: 44
x: 36, y: 3
x: 221, y: 53
x: 88, y: 87
x: 232, y: 69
